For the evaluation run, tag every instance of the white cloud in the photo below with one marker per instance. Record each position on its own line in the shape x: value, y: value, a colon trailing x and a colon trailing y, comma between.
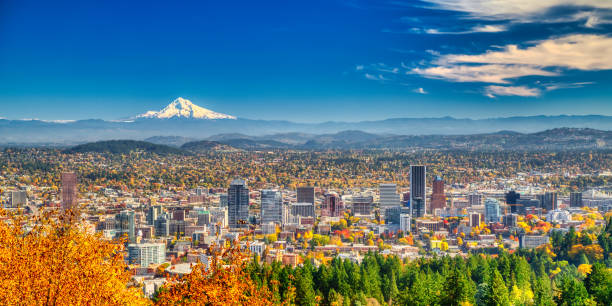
x: 513, y: 9
x: 420, y: 90
x: 522, y: 91
x: 476, y: 29
x: 544, y: 58
x: 555, y: 86
x: 373, y: 77
x: 359, y: 67
x: 481, y: 73
x: 583, y: 52
x: 490, y: 28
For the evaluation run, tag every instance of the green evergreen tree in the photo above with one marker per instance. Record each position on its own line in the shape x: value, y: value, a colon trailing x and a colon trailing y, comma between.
x: 599, y: 284
x: 305, y: 294
x: 573, y: 292
x: 457, y: 289
x: 542, y: 293
x: 498, y: 292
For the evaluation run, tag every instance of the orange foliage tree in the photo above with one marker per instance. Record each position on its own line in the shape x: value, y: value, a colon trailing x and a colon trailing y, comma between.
x: 225, y: 282
x: 52, y: 260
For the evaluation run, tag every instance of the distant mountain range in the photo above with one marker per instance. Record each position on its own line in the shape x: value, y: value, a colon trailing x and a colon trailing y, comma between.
x: 560, y: 139
x: 184, y: 121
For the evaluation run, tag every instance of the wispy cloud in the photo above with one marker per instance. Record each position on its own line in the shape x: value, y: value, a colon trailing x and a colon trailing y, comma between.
x: 543, y: 58
x: 523, y: 91
x: 555, y: 86
x: 420, y: 90
x: 476, y: 29
x: 482, y: 73
x: 583, y: 52
x: 373, y: 77
x: 517, y: 10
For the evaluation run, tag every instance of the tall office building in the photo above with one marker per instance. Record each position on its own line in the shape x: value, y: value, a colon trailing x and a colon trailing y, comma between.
x: 576, y: 199
x: 125, y: 225
x: 362, y: 205
x: 474, y: 219
x: 405, y: 223
x: 438, y: 197
x: 305, y: 194
x: 302, y: 209
x: 271, y: 204
x: 418, y: 199
x: 238, y: 204
x: 512, y: 198
x: 162, y: 225
x: 144, y: 254
x: 19, y: 198
x: 69, y: 191
x: 475, y: 199
x: 492, y: 211
x: 388, y: 196
x: 332, y: 207
x: 154, y: 212
x: 548, y: 201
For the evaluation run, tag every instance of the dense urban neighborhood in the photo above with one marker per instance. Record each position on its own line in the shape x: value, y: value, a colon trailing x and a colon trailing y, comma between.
x: 307, y: 210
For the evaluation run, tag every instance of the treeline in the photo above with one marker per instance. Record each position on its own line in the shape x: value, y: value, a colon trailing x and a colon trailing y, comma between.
x: 526, y: 277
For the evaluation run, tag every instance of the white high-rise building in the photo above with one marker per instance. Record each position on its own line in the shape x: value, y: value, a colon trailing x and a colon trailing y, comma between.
x: 388, y: 196
x: 145, y: 254
x: 492, y: 211
x: 405, y: 220
x: 271, y: 204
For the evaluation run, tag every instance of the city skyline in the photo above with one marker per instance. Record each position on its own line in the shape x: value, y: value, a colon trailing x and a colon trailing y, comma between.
x: 298, y: 62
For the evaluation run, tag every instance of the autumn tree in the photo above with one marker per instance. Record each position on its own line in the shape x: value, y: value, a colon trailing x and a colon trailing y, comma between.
x: 52, y: 260
x: 225, y: 282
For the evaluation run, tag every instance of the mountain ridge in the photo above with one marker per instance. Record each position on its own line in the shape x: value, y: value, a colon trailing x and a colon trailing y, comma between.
x: 89, y: 130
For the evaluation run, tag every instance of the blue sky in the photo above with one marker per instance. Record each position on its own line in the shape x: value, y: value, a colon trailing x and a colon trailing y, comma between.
x: 308, y: 61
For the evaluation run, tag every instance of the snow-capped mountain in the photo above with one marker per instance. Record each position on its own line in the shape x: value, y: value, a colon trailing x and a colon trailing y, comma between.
x: 183, y: 108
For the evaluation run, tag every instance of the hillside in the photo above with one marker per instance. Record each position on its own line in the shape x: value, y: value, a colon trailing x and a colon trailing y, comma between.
x: 554, y: 139
x: 123, y: 147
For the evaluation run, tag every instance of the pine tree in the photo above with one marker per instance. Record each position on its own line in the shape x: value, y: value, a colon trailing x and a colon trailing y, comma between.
x: 599, y: 284
x: 542, y: 292
x: 498, y: 295
x: 457, y: 289
x: 305, y: 294
x: 573, y: 292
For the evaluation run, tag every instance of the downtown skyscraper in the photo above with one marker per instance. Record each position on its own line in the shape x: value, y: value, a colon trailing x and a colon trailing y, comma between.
x: 418, y: 199
x: 438, y: 197
x: 238, y: 204
x: 271, y: 206
x: 69, y: 191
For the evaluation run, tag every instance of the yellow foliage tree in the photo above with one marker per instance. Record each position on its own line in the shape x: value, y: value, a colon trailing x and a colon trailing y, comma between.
x: 52, y: 260
x: 228, y: 284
